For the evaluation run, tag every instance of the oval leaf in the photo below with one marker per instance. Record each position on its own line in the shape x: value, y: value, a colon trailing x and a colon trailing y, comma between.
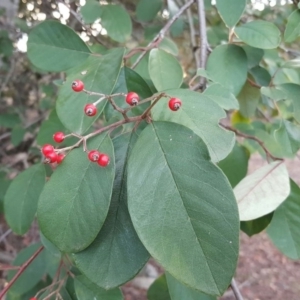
x: 179, y: 204
x: 202, y: 116
x: 55, y: 47
x: 292, y: 30
x: 259, y: 34
x: 147, y: 10
x: 159, y: 289
x: 164, y: 70
x: 262, y: 191
x: 74, y: 203
x: 122, y: 253
x: 284, y: 228
x: 91, y: 11
x: 21, y: 199
x: 231, y: 10
x: 116, y: 21
x: 227, y: 65
x: 100, y: 75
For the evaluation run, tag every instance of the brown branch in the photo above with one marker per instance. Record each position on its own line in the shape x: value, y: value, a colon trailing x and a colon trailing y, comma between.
x: 158, y: 38
x: 254, y: 84
x: 21, y: 270
x: 254, y: 138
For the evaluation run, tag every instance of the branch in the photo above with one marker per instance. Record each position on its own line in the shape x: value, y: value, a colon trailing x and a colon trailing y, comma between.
x: 254, y: 84
x: 21, y: 270
x: 158, y: 38
x: 254, y: 138
x: 236, y: 290
x: 203, y: 36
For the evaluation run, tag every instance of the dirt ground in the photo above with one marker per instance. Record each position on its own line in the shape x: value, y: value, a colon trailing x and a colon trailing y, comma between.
x: 263, y: 273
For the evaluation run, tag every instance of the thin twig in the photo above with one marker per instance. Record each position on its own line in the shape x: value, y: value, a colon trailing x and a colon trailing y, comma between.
x: 5, y: 234
x: 254, y: 84
x: 158, y: 38
x: 203, y: 37
x: 236, y: 290
x: 254, y: 138
x: 21, y: 270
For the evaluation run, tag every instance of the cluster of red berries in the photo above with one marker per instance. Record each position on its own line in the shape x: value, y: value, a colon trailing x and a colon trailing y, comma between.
x: 132, y: 99
x: 51, y: 156
x: 101, y: 158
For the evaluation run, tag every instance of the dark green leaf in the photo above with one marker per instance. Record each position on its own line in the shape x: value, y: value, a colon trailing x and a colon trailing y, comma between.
x: 179, y: 291
x: 260, y: 75
x: 284, y: 227
x: 32, y: 274
x: 91, y: 11
x: 259, y: 34
x: 116, y: 21
x: 161, y: 66
x: 227, y: 65
x: 147, y: 10
x: 86, y: 290
x: 201, y: 115
x: 55, y: 47
x: 17, y: 135
x: 254, y: 55
x: 231, y: 10
x: 256, y: 226
x: 122, y: 253
x: 292, y: 30
x: 99, y: 74
x: 159, y: 289
x: 235, y: 165
x: 9, y: 120
x: 179, y: 202
x: 74, y: 203
x: 20, y: 202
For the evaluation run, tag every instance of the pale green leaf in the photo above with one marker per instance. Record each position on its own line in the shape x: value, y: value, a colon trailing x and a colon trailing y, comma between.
x: 262, y: 191
x: 292, y: 30
x: 161, y: 66
x: 259, y: 34
x: 179, y: 203
x: 273, y: 93
x: 55, y: 47
x: 201, y: 115
x: 91, y: 11
x: 20, y: 202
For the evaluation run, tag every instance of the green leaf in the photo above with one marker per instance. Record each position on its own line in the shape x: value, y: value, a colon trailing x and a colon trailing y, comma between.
x: 32, y: 274
x: 86, y: 290
x: 117, y: 22
x: 262, y: 191
x: 273, y: 93
x: 259, y: 34
x: 75, y: 201
x: 17, y: 135
x: 288, y: 136
x: 260, y: 75
x: 55, y: 47
x: 147, y: 10
x: 222, y: 96
x: 292, y: 92
x: 227, y: 65
x: 99, y: 74
x: 256, y: 226
x: 293, y: 63
x: 235, y: 165
x: 164, y: 70
x: 181, y: 198
x: 122, y: 254
x: 20, y: 202
x: 248, y: 98
x: 254, y: 55
x: 9, y: 120
x: 179, y: 291
x: 169, y: 46
x: 159, y: 289
x: 91, y: 11
x: 4, y: 184
x: 201, y: 115
x: 292, y: 30
x: 284, y: 228
x: 231, y: 10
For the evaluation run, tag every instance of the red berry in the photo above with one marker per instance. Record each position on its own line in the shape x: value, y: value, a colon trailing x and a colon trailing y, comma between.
x: 93, y: 155
x: 58, y: 137
x: 51, y: 157
x: 77, y: 85
x: 47, y: 148
x: 132, y: 98
x: 60, y: 158
x: 33, y: 298
x: 174, y: 104
x: 90, y: 110
x: 103, y: 160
